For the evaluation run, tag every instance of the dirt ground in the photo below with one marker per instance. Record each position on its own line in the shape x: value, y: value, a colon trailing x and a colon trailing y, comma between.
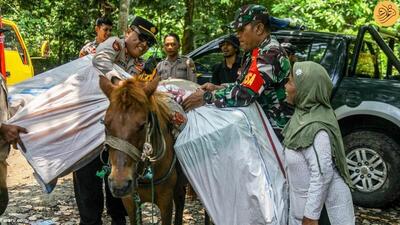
x: 29, y: 205
x: 19, y: 171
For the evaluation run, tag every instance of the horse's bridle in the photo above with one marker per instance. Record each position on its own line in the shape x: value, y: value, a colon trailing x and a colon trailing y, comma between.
x: 153, y: 131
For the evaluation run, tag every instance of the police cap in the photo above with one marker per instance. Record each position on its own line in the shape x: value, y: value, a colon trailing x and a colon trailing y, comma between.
x: 146, y: 29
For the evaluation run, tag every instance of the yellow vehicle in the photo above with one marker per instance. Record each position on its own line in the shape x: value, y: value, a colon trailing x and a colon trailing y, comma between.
x: 18, y: 63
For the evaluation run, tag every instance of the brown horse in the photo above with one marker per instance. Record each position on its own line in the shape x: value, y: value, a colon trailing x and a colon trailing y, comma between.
x: 138, y: 118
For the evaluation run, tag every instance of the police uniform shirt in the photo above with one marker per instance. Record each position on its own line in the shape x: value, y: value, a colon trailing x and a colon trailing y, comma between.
x: 89, y: 48
x: 113, y: 51
x: 182, y: 68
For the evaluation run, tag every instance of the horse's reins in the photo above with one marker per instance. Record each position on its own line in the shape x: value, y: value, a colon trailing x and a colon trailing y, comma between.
x: 133, y: 151
x: 146, y: 156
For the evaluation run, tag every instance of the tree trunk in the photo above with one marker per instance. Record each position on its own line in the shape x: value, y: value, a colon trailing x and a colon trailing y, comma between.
x: 187, y: 40
x: 123, y: 16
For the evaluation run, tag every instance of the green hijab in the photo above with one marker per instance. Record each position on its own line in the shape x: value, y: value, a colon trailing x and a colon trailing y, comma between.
x: 313, y: 112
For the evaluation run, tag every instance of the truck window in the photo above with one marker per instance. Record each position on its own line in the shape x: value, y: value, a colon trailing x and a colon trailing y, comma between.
x: 308, y: 49
x: 317, y: 51
x: 395, y: 72
x: 372, y: 62
x: 12, y: 43
x: 320, y: 50
x: 204, y: 65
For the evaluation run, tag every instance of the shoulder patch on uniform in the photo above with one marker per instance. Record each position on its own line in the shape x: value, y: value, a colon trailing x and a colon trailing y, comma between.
x: 116, y: 46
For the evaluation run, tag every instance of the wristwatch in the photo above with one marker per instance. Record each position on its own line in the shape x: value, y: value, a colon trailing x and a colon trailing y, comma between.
x: 208, y: 97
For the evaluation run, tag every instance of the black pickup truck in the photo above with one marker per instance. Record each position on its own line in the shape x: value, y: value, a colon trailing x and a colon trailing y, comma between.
x: 365, y: 72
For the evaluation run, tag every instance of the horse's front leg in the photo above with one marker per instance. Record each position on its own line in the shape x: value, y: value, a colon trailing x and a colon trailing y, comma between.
x: 165, y: 204
x: 130, y: 207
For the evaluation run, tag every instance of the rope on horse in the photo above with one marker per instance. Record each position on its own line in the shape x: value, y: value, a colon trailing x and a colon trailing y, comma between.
x: 123, y: 146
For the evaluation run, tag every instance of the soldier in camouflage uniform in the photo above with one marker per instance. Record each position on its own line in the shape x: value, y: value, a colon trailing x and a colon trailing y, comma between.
x: 263, y: 74
x: 125, y: 52
x: 175, y: 66
x: 103, y: 30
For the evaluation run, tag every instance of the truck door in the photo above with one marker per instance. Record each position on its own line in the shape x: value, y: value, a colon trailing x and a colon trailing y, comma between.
x: 18, y: 62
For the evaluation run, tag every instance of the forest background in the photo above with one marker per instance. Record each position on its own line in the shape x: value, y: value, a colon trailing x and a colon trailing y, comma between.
x: 68, y: 24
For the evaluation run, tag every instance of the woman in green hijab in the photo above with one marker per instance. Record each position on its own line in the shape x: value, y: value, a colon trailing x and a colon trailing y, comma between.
x: 314, y: 153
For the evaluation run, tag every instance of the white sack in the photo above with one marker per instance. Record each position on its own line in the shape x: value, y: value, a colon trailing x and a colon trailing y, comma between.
x: 229, y: 161
x: 64, y: 124
x: 62, y: 110
x: 22, y: 93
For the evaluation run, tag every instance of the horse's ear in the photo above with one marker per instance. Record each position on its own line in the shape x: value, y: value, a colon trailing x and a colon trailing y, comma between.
x: 151, y: 86
x: 106, y: 86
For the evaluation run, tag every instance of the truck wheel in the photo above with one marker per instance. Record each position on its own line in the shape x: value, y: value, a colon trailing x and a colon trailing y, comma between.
x: 373, y: 159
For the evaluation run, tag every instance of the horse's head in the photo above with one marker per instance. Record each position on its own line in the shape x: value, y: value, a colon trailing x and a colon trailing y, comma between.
x: 127, y: 122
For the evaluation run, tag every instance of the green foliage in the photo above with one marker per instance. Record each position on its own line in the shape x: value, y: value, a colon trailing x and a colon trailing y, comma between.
x: 343, y: 16
x: 69, y: 24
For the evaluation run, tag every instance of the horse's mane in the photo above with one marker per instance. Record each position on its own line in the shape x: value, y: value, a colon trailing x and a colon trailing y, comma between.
x: 131, y: 94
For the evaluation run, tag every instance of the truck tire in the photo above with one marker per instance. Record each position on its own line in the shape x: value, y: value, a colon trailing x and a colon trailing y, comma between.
x: 373, y: 159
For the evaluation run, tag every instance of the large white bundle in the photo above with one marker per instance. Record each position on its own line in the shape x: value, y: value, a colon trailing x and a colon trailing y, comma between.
x: 20, y: 94
x: 64, y: 124
x: 229, y: 160
x: 62, y: 109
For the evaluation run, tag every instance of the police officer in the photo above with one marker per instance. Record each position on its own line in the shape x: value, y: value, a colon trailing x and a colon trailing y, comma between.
x: 9, y: 134
x: 175, y: 66
x: 263, y: 74
x: 125, y: 52
x: 103, y: 30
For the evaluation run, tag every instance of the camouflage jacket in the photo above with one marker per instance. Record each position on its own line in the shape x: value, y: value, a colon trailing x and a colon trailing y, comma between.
x: 262, y: 78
